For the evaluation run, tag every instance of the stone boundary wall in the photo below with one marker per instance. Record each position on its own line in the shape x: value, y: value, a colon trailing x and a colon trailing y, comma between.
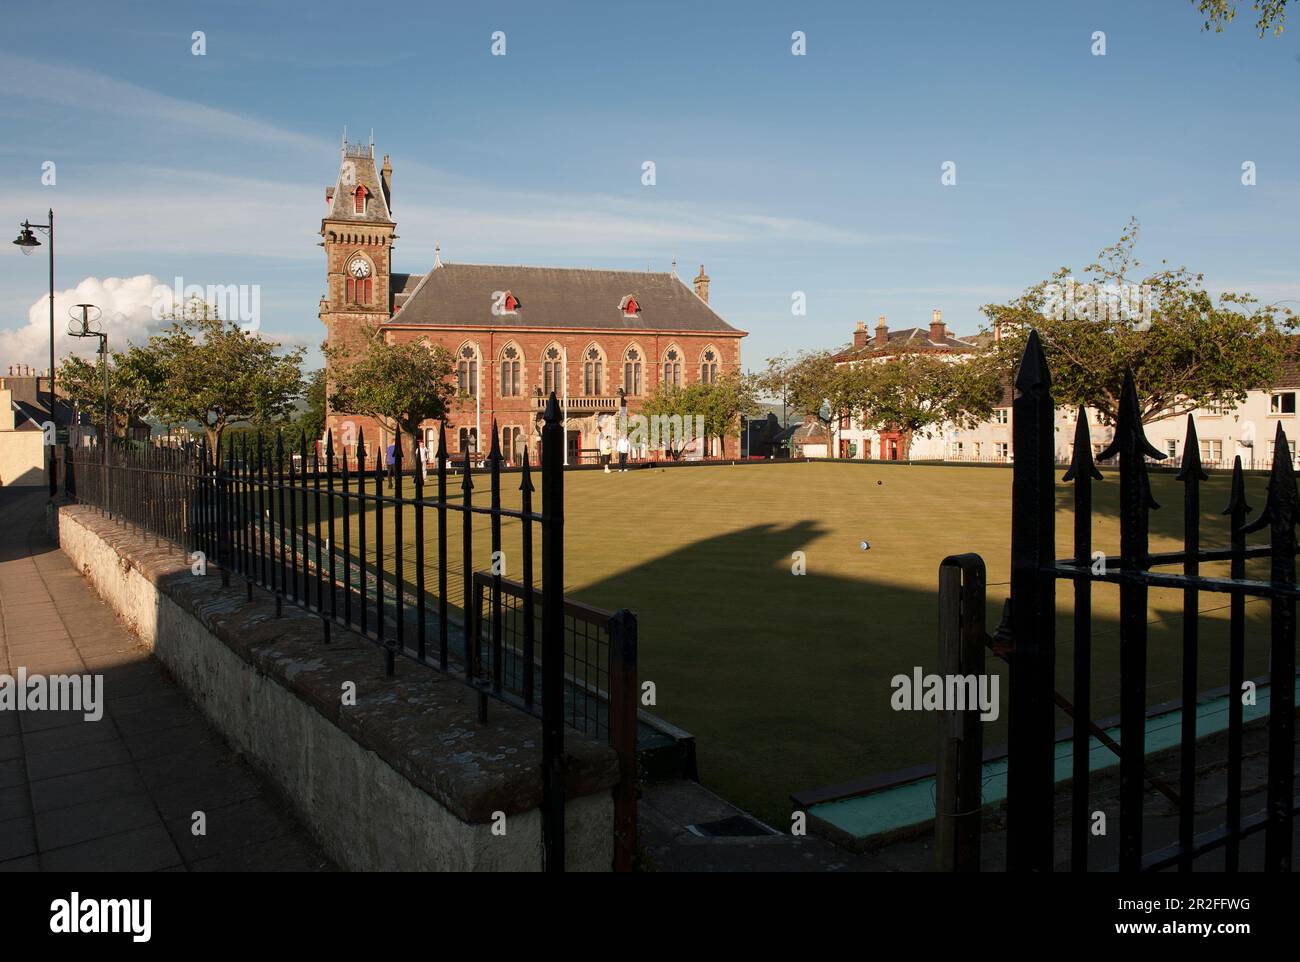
x: 406, y: 779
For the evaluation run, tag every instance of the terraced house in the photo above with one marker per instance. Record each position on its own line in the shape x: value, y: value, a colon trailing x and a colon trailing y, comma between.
x: 594, y: 337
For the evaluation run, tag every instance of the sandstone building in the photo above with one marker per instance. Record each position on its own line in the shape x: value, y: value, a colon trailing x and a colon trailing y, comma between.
x: 516, y: 333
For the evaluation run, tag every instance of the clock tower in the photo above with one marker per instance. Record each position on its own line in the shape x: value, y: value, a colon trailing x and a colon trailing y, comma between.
x: 357, y: 233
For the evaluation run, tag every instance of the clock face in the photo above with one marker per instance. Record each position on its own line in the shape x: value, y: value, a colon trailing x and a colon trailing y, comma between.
x: 359, y: 268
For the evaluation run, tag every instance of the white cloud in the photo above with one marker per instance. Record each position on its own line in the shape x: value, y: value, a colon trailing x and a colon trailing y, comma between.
x: 127, y: 306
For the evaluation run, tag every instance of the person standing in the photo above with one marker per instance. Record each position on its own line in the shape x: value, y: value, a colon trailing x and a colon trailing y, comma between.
x: 390, y: 462
x: 605, y: 450
x: 422, y: 458
x: 622, y: 453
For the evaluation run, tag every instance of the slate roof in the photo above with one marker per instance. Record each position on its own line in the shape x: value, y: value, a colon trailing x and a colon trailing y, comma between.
x: 401, y: 287
x: 359, y: 158
x: 457, y: 295
x: 906, y: 340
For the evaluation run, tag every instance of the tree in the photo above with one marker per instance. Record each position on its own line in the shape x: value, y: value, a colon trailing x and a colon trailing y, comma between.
x: 1185, y: 351
x: 721, y: 403
x: 399, y: 385
x: 312, y: 418
x: 918, y: 392
x: 134, y: 378
x: 1219, y: 13
x: 815, y: 384
x: 671, y: 401
x: 218, y: 374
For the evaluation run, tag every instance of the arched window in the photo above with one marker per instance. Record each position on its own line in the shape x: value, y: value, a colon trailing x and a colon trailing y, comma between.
x: 510, y: 368
x: 709, y: 366
x: 552, y: 371
x: 467, y: 371
x: 359, y: 199
x: 468, y: 439
x: 592, y: 364
x: 510, y: 304
x: 630, y: 306
x: 512, y: 445
x: 632, y: 372
x: 673, y: 367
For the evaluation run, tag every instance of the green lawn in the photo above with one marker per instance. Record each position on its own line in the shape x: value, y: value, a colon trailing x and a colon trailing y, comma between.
x: 784, y: 679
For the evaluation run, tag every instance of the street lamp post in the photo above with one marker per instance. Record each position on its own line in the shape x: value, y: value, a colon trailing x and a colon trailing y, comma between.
x: 27, y: 242
x: 84, y: 324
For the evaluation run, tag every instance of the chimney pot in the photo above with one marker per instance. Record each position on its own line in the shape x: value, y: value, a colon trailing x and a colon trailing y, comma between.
x: 702, y: 285
x: 882, y: 332
x: 936, y: 326
x: 860, y: 335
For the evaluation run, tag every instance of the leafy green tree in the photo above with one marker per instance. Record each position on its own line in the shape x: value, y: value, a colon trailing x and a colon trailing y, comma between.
x: 814, y: 384
x: 134, y: 377
x: 311, y: 420
x: 216, y: 374
x: 1219, y: 13
x: 399, y: 385
x: 669, y: 401
x: 919, y: 392
x: 1191, y: 352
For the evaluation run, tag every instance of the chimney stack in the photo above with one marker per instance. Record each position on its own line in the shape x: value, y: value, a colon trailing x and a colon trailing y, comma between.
x: 860, y: 335
x: 702, y: 285
x: 387, y: 175
x: 882, y: 332
x: 936, y: 327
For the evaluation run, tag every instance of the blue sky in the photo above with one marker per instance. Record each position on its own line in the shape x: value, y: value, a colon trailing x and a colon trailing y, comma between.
x: 779, y: 173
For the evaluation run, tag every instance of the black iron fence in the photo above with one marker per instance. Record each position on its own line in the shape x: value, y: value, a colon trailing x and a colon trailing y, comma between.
x: 1030, y: 648
x: 368, y: 549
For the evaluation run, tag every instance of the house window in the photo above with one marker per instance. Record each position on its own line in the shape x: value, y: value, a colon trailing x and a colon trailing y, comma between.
x: 358, y: 290
x: 1211, y: 452
x: 510, y: 372
x: 632, y: 373
x: 1000, y: 450
x: 975, y: 449
x: 359, y: 204
x: 1217, y: 409
x: 1171, y: 448
x: 467, y: 372
x: 672, y: 369
x: 468, y: 440
x: 512, y: 444
x: 958, y: 449
x: 1290, y: 453
x: 1002, y: 416
x: 709, y: 367
x: 552, y: 372
x: 591, y: 374
x: 1282, y: 402
x: 846, y: 421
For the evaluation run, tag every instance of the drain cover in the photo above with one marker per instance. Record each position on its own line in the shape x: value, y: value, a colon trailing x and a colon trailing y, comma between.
x: 734, y: 826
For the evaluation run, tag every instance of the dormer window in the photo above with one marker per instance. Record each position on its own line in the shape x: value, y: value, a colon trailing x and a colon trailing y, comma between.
x: 510, y: 303
x: 359, y: 203
x: 630, y: 306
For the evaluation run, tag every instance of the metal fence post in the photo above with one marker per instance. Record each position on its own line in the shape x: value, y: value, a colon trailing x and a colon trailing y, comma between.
x: 1033, y: 618
x: 622, y: 733
x: 552, y: 636
x: 958, y: 779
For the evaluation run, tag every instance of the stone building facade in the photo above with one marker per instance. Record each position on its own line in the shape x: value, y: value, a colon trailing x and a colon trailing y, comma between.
x: 593, y: 337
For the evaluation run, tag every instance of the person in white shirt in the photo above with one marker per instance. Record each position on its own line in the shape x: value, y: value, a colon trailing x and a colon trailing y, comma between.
x: 422, y: 456
x: 622, y: 453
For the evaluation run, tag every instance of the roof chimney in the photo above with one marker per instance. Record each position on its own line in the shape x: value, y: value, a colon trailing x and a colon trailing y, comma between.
x: 387, y: 175
x: 936, y: 327
x: 860, y: 335
x: 882, y: 332
x: 702, y: 285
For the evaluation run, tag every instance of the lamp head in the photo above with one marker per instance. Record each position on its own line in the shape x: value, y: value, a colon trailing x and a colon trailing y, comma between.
x: 26, y: 240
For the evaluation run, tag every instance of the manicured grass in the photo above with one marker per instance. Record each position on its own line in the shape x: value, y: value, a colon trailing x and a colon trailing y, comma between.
x: 784, y: 679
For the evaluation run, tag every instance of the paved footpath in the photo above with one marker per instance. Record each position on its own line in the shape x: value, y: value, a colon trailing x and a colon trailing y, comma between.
x: 120, y: 793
